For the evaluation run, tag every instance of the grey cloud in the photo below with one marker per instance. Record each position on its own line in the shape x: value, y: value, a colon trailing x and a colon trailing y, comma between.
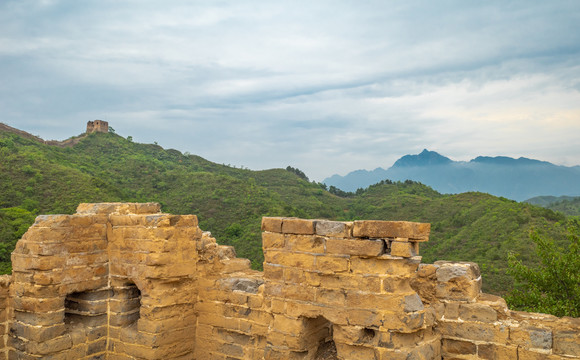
x: 277, y: 83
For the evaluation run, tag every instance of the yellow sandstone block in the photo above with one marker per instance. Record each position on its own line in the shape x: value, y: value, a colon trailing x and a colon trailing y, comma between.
x: 357, y: 247
x: 391, y: 229
x: 272, y: 224
x: 273, y: 240
x: 333, y: 297
x: 383, y: 266
x: 273, y: 272
x: 303, y: 261
x: 305, y: 243
x: 298, y: 292
x: 404, y: 249
x: 334, y: 228
x: 494, y: 351
x: 294, y: 275
x: 354, y: 352
x: 362, y: 300
x: 298, y: 226
x: 332, y: 264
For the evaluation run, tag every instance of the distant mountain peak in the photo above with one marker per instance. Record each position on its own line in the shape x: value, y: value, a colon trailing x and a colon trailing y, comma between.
x: 425, y: 158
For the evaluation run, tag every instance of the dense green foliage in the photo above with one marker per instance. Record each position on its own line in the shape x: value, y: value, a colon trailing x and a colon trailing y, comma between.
x: 36, y: 178
x: 13, y: 224
x: 554, y: 286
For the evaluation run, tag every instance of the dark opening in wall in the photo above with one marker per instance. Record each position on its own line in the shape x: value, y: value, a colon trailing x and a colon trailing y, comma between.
x: 86, y: 308
x: 318, y: 337
x: 125, y: 305
x: 368, y: 335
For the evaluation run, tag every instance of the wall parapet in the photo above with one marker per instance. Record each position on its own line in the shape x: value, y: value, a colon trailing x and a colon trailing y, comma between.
x: 126, y: 281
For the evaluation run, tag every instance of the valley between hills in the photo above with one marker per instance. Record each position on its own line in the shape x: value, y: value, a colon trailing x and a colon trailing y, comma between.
x: 37, y: 177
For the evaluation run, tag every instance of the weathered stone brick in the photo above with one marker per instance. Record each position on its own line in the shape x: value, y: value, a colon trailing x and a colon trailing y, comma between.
x: 459, y: 347
x: 298, y: 226
x: 229, y: 266
x: 496, y: 352
x: 355, y: 352
x: 37, y: 333
x: 50, y: 346
x: 272, y: 240
x: 404, y: 249
x: 334, y: 228
x: 294, y: 275
x: 531, y: 337
x: 285, y: 258
x: 477, y: 312
x: 332, y: 264
x: 333, y: 297
x: 391, y: 229
x: 306, y: 243
x: 394, y: 284
x: 566, y: 342
x: 272, y: 224
x: 298, y: 292
x: 412, y: 303
x: 355, y: 247
x: 383, y: 266
x: 273, y: 272
x: 475, y: 331
x: 361, y: 300
x: 119, y: 208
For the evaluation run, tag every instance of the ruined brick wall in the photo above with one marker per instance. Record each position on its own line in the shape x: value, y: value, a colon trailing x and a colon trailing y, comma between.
x: 347, y: 283
x: 124, y: 281
x: 473, y: 325
x: 325, y: 284
x: 112, y: 281
x: 4, y: 313
x: 359, y: 287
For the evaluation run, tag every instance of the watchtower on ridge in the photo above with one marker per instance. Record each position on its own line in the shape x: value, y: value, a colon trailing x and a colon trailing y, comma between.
x: 97, y: 126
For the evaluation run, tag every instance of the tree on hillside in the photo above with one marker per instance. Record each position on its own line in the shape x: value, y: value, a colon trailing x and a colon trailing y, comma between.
x: 298, y: 172
x: 554, y: 286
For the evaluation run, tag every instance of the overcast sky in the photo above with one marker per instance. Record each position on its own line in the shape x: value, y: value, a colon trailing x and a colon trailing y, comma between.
x: 325, y: 86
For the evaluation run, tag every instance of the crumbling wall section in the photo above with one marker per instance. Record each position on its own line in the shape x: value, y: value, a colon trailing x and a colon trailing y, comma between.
x: 473, y: 325
x: 59, y: 256
x: 347, y: 285
x: 115, y: 281
x: 5, y: 314
x: 152, y: 281
x: 233, y: 318
x: 339, y: 287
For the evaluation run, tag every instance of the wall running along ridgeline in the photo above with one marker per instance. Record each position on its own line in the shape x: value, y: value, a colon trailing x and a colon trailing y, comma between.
x: 123, y: 281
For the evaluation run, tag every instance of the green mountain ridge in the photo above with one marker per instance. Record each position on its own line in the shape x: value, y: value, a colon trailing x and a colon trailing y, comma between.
x: 38, y: 178
x: 568, y: 205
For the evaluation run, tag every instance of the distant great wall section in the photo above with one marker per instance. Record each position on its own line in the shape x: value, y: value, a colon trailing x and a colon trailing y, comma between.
x: 124, y: 281
x: 92, y: 127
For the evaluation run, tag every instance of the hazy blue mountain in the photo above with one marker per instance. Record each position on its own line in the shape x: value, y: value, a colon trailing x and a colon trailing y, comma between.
x: 425, y: 158
x: 517, y: 179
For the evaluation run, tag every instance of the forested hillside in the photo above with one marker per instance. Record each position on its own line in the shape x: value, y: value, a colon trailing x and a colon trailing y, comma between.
x: 36, y: 178
x: 569, y: 205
